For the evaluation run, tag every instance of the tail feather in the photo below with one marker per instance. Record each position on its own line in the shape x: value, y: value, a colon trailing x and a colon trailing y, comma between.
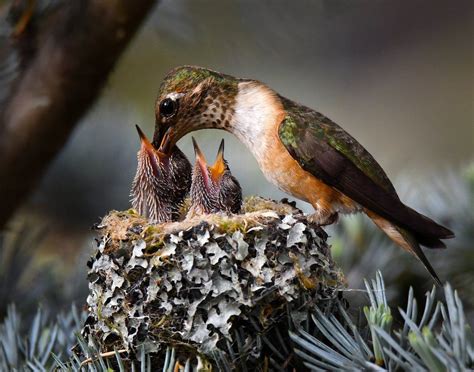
x: 408, y: 242
x: 428, y: 242
x: 424, y: 226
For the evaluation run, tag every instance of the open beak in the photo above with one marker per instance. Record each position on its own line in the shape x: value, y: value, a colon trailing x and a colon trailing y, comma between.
x: 218, y: 168
x: 147, y: 145
x: 201, y: 162
x: 153, y: 154
x: 167, y: 142
x: 159, y: 135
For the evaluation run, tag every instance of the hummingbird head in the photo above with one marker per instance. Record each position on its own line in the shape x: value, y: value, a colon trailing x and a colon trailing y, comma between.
x: 213, y: 188
x: 161, y: 183
x: 192, y: 98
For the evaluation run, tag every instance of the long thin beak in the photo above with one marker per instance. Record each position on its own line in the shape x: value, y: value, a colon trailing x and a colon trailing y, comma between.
x: 166, y: 142
x: 218, y: 168
x: 201, y: 161
x: 159, y: 134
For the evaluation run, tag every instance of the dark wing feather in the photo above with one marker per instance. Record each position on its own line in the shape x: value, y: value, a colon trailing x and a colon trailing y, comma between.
x: 324, y: 149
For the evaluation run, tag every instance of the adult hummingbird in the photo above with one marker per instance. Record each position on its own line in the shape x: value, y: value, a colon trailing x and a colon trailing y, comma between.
x: 162, y: 181
x: 214, y: 188
x: 297, y: 148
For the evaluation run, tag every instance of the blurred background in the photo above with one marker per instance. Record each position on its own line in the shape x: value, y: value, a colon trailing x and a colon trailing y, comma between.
x: 398, y: 76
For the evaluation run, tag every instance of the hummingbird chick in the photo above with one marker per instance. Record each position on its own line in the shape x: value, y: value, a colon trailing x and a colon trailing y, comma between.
x: 214, y: 188
x: 162, y: 181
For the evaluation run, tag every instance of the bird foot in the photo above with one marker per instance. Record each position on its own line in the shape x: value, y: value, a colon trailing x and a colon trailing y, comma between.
x: 323, y: 219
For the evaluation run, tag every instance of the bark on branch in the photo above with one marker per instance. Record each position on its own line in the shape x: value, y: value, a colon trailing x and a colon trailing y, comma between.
x: 68, y: 68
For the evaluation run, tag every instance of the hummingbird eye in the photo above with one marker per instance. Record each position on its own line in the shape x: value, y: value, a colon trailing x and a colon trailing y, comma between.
x: 168, y: 107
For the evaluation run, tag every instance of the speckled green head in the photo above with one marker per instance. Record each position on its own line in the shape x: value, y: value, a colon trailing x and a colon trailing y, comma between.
x: 192, y: 98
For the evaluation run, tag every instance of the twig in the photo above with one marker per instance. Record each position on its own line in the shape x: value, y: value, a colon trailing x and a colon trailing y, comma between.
x: 107, y: 354
x: 75, y: 49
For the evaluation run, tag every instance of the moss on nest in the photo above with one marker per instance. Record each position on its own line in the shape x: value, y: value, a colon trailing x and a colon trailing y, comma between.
x: 205, y: 285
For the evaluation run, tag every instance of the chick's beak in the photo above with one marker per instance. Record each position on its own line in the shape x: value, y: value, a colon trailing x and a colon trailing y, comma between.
x: 146, y: 144
x: 218, y: 168
x: 147, y: 148
x: 201, y: 162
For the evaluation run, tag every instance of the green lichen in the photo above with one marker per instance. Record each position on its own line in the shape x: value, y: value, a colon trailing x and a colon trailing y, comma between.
x: 194, y: 284
x: 229, y: 226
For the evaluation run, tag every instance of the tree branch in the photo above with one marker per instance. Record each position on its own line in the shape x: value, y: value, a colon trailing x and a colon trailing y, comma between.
x: 70, y: 66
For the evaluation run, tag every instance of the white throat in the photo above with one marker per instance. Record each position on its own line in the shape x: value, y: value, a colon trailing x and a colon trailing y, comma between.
x: 255, y: 112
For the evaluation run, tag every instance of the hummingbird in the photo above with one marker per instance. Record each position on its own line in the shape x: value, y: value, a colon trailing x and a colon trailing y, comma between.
x: 162, y: 181
x: 298, y: 149
x: 214, y: 188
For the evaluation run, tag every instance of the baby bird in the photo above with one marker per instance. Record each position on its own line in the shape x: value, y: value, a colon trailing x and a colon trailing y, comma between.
x: 162, y: 181
x: 213, y: 188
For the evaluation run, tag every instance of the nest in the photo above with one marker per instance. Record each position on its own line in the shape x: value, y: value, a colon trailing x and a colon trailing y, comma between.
x: 212, y: 287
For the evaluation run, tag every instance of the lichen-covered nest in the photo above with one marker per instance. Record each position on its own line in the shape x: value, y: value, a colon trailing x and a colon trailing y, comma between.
x: 208, y: 286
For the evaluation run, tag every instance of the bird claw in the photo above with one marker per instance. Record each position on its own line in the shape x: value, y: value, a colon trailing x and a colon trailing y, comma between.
x: 323, y: 219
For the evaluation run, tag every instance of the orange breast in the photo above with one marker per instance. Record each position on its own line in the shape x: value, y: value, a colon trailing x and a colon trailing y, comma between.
x: 257, y: 119
x: 283, y: 170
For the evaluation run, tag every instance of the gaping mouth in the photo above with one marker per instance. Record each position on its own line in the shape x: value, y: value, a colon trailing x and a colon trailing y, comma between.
x: 201, y: 163
x: 156, y: 157
x: 219, y: 166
